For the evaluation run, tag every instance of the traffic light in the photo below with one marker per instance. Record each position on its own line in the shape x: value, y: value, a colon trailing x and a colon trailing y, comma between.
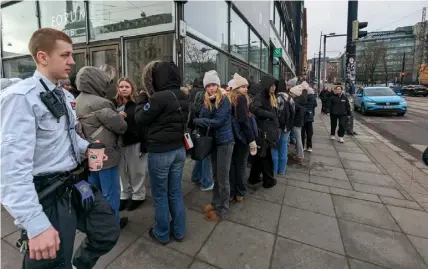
x: 356, y: 33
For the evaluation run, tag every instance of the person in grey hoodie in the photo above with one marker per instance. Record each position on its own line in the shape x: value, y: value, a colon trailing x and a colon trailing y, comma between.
x: 99, y: 116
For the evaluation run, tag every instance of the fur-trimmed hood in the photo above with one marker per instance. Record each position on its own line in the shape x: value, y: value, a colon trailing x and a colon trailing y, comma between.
x: 160, y: 76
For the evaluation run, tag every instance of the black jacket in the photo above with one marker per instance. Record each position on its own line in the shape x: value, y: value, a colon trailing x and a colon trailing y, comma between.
x: 240, y: 113
x: 266, y: 115
x: 299, y: 116
x: 134, y: 133
x: 324, y: 95
x: 160, y: 113
x: 311, y: 104
x: 338, y: 105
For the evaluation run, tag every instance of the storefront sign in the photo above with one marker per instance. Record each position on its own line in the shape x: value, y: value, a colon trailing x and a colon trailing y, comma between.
x: 277, y: 52
x: 72, y: 23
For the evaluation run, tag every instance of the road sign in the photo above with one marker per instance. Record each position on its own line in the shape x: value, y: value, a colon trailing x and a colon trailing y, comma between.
x: 277, y: 52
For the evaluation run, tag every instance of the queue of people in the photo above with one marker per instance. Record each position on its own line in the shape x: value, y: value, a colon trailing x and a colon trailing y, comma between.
x: 142, y: 134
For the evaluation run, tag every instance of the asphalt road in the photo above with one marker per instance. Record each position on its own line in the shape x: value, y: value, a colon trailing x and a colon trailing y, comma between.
x: 409, y: 132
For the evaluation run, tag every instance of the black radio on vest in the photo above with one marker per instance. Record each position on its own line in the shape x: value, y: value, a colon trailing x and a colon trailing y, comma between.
x: 51, y: 100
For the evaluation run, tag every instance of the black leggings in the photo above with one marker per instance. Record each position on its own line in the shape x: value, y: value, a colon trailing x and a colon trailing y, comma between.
x: 307, y: 132
x: 333, y: 123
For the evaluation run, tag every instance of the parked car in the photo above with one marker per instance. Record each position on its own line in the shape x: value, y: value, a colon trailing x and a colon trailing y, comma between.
x: 380, y: 100
x: 397, y: 89
x: 415, y: 90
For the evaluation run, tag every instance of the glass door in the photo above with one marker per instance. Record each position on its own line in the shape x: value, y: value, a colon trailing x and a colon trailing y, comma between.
x: 107, y: 55
x: 80, y: 57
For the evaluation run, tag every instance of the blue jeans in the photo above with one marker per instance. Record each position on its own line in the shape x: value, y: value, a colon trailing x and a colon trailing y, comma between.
x: 165, y: 174
x: 202, y: 173
x: 280, y: 155
x: 108, y: 182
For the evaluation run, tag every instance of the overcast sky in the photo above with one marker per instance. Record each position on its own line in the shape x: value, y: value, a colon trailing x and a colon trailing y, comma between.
x: 331, y: 17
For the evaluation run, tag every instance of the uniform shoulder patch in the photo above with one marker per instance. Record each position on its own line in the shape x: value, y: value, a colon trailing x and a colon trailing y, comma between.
x: 146, y: 107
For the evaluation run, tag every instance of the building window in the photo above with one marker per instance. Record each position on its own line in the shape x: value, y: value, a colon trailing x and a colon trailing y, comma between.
x: 200, y: 58
x: 197, y: 14
x: 20, y: 67
x: 19, y: 22
x: 265, y: 58
x: 254, y: 75
x: 277, y: 20
x: 238, y: 37
x: 111, y: 19
x: 276, y: 67
x: 141, y: 51
x: 255, y: 46
x: 66, y: 16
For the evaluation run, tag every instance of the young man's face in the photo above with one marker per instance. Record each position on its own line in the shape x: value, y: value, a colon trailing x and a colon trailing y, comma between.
x: 59, y: 62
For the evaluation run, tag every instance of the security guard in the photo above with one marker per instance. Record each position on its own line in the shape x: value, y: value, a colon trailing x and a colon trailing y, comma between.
x: 41, y: 184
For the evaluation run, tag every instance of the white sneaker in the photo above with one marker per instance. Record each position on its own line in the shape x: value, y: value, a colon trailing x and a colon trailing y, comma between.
x: 210, y: 188
x: 341, y: 140
x: 305, y: 149
x: 309, y: 149
x: 332, y: 137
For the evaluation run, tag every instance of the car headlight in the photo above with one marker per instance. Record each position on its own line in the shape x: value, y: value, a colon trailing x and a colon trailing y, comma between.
x: 370, y: 103
x: 403, y: 103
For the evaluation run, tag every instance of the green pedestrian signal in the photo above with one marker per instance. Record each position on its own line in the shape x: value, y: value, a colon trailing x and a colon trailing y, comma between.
x: 277, y: 52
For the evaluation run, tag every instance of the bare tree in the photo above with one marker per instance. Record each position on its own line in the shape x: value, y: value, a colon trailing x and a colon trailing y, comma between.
x: 370, y: 58
x: 383, y: 56
x: 199, y: 59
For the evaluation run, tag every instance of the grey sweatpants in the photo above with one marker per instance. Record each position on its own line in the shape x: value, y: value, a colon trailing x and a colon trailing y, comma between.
x: 133, y: 173
x: 221, y: 157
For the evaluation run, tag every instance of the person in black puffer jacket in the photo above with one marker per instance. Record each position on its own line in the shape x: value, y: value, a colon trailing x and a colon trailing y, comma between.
x: 161, y: 109
x: 133, y: 161
x: 339, y: 108
x: 324, y: 96
x: 307, y: 128
x: 264, y: 107
x: 299, y: 119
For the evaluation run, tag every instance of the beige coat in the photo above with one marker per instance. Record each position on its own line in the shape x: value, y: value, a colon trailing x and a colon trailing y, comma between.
x: 98, y: 111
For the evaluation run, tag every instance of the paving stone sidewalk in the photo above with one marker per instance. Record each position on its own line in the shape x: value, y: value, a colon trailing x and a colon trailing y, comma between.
x: 358, y: 205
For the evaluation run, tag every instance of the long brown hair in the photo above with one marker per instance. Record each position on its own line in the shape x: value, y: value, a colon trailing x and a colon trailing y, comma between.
x: 121, y: 100
x: 218, y: 98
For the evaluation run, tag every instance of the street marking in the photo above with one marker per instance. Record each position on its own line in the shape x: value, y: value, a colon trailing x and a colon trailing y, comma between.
x: 387, y: 120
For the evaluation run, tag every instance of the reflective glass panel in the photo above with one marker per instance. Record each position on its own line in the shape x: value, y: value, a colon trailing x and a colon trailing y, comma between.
x: 19, y: 22
x: 238, y: 37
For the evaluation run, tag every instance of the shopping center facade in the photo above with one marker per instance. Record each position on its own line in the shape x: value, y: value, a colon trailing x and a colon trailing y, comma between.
x: 252, y: 38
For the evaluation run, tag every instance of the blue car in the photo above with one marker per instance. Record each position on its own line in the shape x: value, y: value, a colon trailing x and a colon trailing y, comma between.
x: 379, y: 100
x: 397, y: 90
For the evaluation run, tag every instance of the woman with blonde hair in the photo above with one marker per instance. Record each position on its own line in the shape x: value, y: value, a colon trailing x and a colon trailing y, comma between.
x: 133, y: 162
x: 244, y: 132
x: 215, y: 117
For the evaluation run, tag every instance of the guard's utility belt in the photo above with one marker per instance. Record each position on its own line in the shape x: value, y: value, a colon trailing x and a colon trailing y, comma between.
x: 48, y: 184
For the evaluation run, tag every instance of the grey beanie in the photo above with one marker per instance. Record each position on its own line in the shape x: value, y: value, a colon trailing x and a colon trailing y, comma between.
x: 211, y: 77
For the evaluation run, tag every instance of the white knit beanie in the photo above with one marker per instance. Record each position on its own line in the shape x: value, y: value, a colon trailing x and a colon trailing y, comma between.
x: 297, y: 90
x: 211, y: 77
x: 238, y: 81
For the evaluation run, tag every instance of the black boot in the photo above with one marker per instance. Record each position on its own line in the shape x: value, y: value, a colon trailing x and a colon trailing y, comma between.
x: 123, y: 222
x: 133, y: 204
x: 123, y: 204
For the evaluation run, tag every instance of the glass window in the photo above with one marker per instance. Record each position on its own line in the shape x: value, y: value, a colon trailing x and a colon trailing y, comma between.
x: 111, y: 19
x: 19, y: 21
x: 21, y: 67
x: 200, y: 58
x: 196, y: 14
x: 265, y: 57
x: 275, y: 72
x: 67, y: 16
x: 238, y: 37
x: 277, y: 20
x: 140, y: 52
x: 255, y: 44
x: 254, y: 75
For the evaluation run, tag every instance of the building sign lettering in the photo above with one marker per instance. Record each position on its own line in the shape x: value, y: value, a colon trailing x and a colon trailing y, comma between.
x: 60, y: 20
